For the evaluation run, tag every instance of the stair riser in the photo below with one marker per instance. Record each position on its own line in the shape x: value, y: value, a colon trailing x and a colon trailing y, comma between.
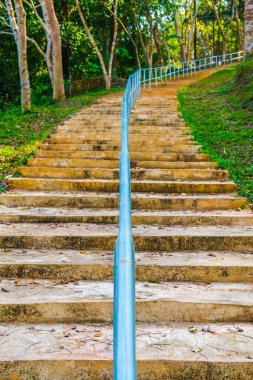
x: 69, y: 163
x: 133, y: 148
x: 142, y: 243
x: 147, y: 370
x: 153, y: 187
x: 146, y: 311
x: 139, y: 139
x: 171, y: 157
x: 154, y: 274
x: 159, y: 122
x: 136, y: 220
x: 167, y: 175
x: 133, y: 136
x: 111, y: 203
x: 114, y: 164
x: 79, y: 129
x: 174, y: 165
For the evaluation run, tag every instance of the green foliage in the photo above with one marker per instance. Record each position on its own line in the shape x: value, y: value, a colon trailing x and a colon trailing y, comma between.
x: 42, y: 89
x: 220, y: 114
x: 20, y: 135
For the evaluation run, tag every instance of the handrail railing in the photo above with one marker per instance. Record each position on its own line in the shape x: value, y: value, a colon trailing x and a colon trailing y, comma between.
x: 124, y: 254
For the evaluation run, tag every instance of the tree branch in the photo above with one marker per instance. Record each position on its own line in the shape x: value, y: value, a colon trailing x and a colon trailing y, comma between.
x: 35, y: 43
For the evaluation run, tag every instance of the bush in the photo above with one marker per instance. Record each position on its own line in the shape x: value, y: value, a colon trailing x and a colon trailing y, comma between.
x: 42, y: 89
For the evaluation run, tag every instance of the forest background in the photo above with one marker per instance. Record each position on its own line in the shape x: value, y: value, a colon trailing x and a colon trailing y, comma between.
x: 108, y: 39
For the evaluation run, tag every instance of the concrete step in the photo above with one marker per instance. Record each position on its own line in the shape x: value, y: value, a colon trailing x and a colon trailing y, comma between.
x: 110, y: 200
x: 105, y: 216
x: 146, y: 237
x: 55, y: 301
x: 155, y: 267
x: 79, y: 128
x: 114, y: 134
x: 138, y: 174
x: 140, y: 139
x: 135, y: 147
x: 169, y: 122
x: 114, y: 164
x: 155, y: 111
x: 48, y: 184
x: 63, y: 351
x: 135, y: 156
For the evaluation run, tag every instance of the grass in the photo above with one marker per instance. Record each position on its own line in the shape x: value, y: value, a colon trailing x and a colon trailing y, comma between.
x: 20, y: 135
x: 219, y: 111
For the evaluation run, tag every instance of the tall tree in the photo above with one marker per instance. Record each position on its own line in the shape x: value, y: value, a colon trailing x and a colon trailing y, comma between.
x: 248, y: 29
x: 147, y: 47
x: 224, y: 27
x: 54, y: 30
x: 47, y: 54
x: 17, y: 23
x: 107, y: 73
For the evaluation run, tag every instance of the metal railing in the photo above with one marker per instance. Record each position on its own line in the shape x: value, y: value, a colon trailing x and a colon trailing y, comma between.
x: 124, y: 254
x: 177, y: 69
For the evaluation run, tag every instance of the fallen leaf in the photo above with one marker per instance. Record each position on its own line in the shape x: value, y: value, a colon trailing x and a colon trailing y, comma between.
x: 196, y: 349
x: 192, y: 330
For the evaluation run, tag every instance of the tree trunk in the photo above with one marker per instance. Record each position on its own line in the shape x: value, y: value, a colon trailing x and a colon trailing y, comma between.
x: 224, y: 33
x: 58, y: 83
x: 238, y: 27
x: 148, y: 57
x: 181, y: 43
x: 22, y: 57
x: 18, y: 26
x: 95, y: 47
x: 248, y: 29
x: 114, y: 40
x: 157, y: 39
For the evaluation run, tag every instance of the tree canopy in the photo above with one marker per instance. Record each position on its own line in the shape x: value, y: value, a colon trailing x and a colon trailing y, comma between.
x: 113, y: 38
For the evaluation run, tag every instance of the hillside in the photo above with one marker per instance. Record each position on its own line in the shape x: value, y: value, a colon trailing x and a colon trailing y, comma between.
x: 219, y: 111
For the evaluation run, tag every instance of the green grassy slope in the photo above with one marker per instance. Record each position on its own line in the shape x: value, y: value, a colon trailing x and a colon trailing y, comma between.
x: 219, y: 111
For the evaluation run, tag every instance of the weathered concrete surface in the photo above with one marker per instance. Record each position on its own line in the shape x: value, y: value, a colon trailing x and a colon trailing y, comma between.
x: 146, y: 237
x: 151, y: 267
x: 142, y: 201
x: 194, y: 243
x: 44, y: 301
x: 105, y: 216
x: 62, y: 352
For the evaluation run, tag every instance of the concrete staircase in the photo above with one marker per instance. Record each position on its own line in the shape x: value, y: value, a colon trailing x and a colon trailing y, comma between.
x: 194, y: 243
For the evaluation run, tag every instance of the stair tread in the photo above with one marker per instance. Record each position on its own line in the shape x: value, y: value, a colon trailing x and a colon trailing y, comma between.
x: 87, y: 229
x: 4, y: 210
x: 213, y: 182
x: 30, y: 291
x: 80, y: 194
x: 225, y: 343
x: 133, y: 170
x: 88, y: 257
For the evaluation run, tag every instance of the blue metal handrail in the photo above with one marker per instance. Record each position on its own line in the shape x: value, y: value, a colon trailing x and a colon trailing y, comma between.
x: 124, y: 257
x: 124, y: 254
